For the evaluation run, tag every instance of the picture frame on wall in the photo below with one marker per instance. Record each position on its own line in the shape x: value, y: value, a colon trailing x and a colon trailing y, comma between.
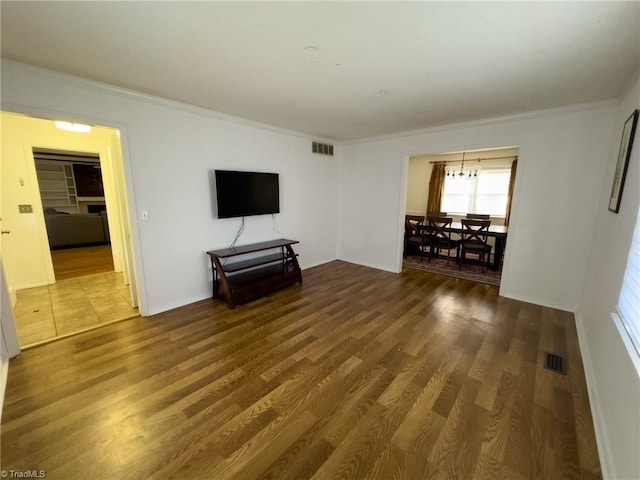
x: 628, y: 132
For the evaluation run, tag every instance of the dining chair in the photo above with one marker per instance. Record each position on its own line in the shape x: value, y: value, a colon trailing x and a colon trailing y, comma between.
x: 474, y: 240
x: 481, y: 216
x: 413, y: 234
x: 440, y: 237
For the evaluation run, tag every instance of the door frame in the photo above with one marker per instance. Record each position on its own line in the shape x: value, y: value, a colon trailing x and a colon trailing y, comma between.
x: 123, y: 179
x: 114, y: 198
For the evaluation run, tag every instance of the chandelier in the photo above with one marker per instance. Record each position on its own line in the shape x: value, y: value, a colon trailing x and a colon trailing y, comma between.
x: 461, y: 172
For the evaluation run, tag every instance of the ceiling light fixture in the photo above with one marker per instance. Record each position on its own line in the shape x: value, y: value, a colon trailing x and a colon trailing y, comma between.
x: 462, y: 173
x: 73, y: 127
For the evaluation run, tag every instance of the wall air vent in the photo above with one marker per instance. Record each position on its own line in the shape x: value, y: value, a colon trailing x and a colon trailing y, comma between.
x: 322, y: 148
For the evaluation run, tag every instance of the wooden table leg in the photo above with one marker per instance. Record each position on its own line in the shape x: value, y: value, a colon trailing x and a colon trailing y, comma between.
x: 498, y: 252
x: 215, y: 279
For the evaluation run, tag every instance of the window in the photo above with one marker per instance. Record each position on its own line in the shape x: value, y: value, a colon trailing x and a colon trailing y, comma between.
x: 629, y: 301
x: 486, y: 193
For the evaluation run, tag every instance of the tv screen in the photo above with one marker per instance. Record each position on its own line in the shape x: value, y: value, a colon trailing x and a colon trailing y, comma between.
x: 88, y: 180
x: 241, y: 194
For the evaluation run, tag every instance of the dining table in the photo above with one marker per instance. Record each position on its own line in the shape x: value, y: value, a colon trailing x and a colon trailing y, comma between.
x: 499, y: 232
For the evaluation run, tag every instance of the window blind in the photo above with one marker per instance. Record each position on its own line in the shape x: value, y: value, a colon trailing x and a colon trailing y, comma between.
x: 629, y: 301
x: 492, y: 192
x: 486, y: 193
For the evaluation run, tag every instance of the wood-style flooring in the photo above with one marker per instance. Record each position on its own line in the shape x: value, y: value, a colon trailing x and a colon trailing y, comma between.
x: 356, y: 374
x: 81, y: 261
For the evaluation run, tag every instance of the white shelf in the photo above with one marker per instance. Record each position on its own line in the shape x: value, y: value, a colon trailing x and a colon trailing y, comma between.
x: 57, y: 185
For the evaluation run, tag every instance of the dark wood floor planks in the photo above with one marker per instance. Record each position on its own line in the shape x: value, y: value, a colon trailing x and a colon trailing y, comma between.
x: 356, y: 374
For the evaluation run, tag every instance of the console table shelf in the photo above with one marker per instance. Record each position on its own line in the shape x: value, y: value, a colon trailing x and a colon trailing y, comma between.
x: 240, y: 281
x: 254, y: 262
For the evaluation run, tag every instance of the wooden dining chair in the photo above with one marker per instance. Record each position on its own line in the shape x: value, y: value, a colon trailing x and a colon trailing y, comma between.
x: 474, y: 240
x: 440, y: 237
x: 481, y: 216
x: 414, y: 236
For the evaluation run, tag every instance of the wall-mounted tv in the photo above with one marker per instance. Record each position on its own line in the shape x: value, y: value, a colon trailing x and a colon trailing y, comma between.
x: 241, y: 194
x: 88, y: 180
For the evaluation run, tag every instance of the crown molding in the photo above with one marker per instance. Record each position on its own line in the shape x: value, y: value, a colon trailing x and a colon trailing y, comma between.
x: 105, y: 88
x: 608, y: 103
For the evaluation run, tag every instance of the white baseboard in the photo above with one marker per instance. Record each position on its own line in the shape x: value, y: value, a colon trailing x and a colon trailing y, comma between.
x: 26, y: 287
x: 601, y: 437
x: 375, y: 266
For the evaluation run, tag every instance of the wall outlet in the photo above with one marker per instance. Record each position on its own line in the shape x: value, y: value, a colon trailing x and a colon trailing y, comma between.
x: 25, y: 208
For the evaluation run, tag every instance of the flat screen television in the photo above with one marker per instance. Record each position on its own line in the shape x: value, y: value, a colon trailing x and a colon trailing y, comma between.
x: 242, y: 194
x: 88, y: 180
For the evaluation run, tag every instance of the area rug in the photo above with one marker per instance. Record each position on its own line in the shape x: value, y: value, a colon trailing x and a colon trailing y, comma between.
x: 442, y: 267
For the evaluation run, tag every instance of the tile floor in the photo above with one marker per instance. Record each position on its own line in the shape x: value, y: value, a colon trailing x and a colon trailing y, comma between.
x: 71, y: 306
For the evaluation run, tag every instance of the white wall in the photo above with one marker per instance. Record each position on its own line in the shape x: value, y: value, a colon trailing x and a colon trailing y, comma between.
x: 169, y: 150
x: 614, y: 383
x: 563, y: 159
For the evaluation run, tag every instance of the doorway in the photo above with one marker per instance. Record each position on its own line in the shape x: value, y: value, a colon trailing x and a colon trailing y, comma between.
x: 39, y: 295
x: 72, y: 195
x: 464, y: 184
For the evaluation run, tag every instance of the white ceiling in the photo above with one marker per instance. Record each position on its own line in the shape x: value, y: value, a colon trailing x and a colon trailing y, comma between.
x: 339, y: 70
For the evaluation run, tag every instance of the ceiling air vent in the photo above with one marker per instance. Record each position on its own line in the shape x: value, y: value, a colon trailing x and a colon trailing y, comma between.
x: 322, y: 148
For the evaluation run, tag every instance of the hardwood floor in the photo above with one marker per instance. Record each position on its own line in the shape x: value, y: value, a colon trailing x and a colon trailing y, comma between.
x: 81, y: 261
x: 356, y: 374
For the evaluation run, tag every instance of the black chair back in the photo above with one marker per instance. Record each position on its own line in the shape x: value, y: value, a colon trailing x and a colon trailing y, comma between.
x: 411, y: 223
x: 413, y: 235
x: 475, y: 230
x: 440, y: 236
x: 474, y: 239
x: 439, y: 229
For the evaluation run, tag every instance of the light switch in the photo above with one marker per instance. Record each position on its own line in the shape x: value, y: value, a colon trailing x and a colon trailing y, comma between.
x: 144, y: 215
x: 25, y: 208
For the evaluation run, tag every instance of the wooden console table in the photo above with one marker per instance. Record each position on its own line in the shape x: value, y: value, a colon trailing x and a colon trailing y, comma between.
x: 241, y: 280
